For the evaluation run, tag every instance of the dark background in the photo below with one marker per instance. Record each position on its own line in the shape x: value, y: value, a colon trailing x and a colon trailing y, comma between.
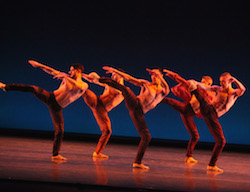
x: 193, y: 38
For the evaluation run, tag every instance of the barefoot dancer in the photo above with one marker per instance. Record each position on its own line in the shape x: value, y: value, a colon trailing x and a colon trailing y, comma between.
x: 71, y: 88
x: 215, y: 105
x: 224, y: 99
x: 100, y: 106
x: 187, y: 109
x: 151, y: 94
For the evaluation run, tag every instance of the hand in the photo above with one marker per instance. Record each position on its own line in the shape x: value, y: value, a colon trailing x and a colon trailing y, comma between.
x: 109, y: 69
x: 153, y: 71
x: 149, y: 71
x: 231, y: 79
x: 170, y: 74
x: 59, y: 76
x: 34, y: 63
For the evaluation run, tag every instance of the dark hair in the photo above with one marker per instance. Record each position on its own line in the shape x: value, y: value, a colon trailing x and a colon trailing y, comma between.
x: 78, y: 66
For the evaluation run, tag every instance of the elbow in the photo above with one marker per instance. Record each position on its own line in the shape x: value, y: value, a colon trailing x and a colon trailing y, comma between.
x: 243, y: 91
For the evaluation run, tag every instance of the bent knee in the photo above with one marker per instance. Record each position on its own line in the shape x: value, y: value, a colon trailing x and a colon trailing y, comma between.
x: 195, y: 137
x: 107, y: 131
x: 146, y: 137
x: 59, y: 132
x: 221, y: 141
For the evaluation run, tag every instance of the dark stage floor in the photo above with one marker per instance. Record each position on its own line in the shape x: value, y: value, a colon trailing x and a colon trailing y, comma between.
x: 25, y: 165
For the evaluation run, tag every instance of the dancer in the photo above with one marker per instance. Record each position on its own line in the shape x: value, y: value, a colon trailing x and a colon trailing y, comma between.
x: 151, y: 94
x: 224, y: 98
x: 100, y: 106
x: 71, y: 88
x: 187, y: 109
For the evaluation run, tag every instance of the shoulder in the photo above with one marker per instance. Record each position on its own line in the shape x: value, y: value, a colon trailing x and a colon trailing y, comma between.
x: 216, y: 88
x: 192, y: 80
x: 144, y: 82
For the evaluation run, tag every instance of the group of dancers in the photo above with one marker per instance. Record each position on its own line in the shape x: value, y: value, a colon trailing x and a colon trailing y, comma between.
x: 201, y: 99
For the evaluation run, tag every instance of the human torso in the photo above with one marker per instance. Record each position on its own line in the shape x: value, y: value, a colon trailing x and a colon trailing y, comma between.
x: 111, y: 98
x: 224, y: 100
x: 66, y: 94
x: 150, y: 96
x: 195, y: 104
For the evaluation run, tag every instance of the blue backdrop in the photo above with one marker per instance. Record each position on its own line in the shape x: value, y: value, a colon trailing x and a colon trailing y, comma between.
x: 193, y: 38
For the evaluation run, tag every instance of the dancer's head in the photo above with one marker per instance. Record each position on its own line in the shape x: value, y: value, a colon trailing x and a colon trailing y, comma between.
x: 76, y: 69
x: 154, y: 77
x: 225, y: 80
x: 116, y: 77
x: 207, y: 80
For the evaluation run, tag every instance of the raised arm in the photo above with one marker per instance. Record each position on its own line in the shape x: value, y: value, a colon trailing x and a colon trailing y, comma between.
x: 163, y: 82
x: 240, y: 87
x: 176, y: 77
x: 45, y: 68
x: 127, y: 77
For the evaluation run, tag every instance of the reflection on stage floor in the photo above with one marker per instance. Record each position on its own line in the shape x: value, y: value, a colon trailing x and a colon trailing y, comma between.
x: 29, y: 160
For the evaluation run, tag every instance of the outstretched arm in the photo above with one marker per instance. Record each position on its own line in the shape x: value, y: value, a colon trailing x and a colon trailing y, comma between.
x: 127, y: 77
x: 80, y: 84
x: 93, y: 77
x: 176, y: 77
x: 45, y: 68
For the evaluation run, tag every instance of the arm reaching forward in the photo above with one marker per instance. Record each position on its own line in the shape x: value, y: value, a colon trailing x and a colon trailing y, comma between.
x: 45, y: 68
x: 176, y: 77
x: 127, y: 77
x: 93, y: 77
x: 80, y: 84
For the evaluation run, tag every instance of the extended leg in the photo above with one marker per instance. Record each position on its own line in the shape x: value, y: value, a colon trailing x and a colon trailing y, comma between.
x: 38, y: 92
x: 175, y: 104
x: 55, y: 112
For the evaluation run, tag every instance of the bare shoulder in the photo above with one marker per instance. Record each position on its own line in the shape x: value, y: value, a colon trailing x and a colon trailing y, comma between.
x: 216, y: 88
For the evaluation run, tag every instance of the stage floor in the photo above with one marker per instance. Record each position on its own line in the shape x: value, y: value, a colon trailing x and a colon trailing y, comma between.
x: 28, y: 160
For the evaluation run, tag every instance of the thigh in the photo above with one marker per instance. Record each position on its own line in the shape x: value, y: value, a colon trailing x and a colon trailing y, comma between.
x: 101, y: 115
x: 131, y: 101
x: 139, y: 121
x: 214, y: 125
x: 175, y: 104
x: 190, y: 125
x: 41, y: 94
x: 57, y: 119
x: 90, y: 98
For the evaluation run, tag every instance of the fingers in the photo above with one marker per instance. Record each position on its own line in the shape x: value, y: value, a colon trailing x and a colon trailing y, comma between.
x: 33, y: 63
x: 59, y: 76
x: 108, y: 69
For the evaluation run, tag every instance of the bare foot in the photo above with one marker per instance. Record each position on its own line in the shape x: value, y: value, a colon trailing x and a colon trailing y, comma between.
x: 100, y: 155
x: 58, y: 157
x: 2, y: 85
x: 190, y: 160
x: 214, y: 168
x: 140, y: 166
